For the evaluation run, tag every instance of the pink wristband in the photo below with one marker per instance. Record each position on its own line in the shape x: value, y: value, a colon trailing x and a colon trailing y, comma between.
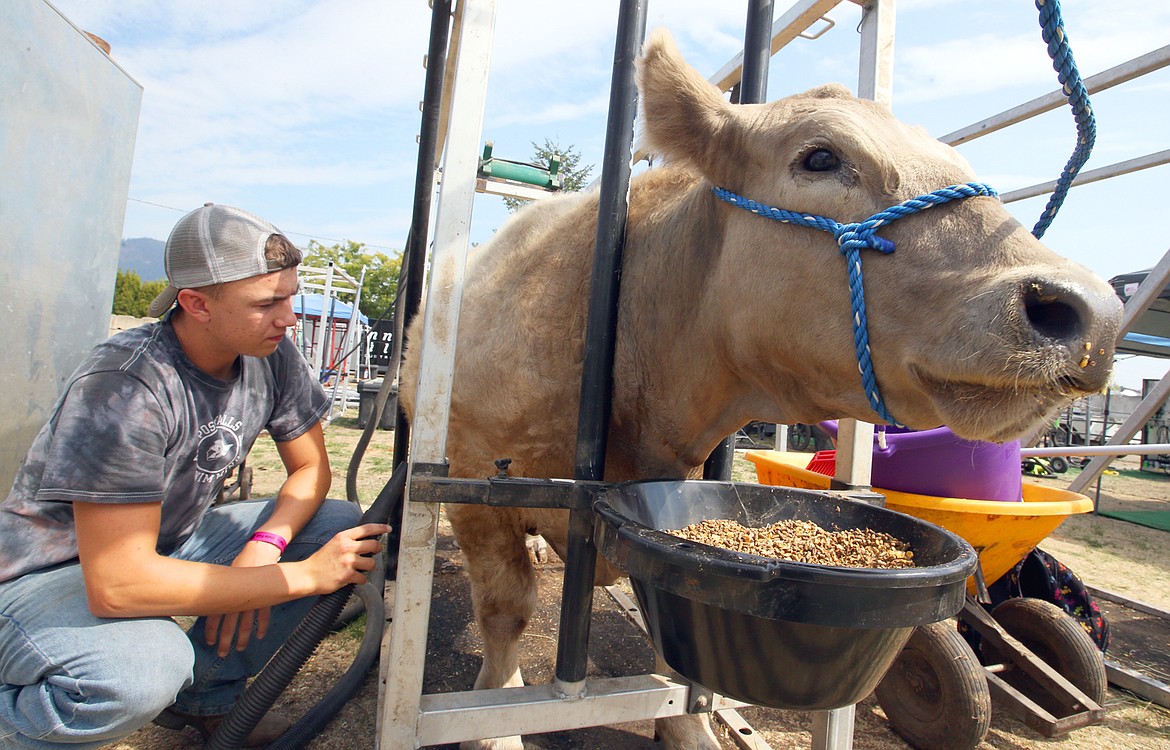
x: 275, y: 540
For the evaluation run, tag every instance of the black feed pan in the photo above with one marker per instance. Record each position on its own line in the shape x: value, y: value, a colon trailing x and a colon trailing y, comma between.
x: 772, y: 632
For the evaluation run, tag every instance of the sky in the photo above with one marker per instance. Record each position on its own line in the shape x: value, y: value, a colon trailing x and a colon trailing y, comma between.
x: 306, y: 111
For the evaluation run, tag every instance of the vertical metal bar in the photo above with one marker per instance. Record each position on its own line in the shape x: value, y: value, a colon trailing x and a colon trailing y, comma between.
x: 351, y: 334
x: 876, y: 78
x: 416, y: 556
x: 753, y: 89
x: 718, y: 464
x: 413, y: 260
x: 875, y: 81
x: 320, y: 362
x: 833, y: 730
x: 757, y: 52
x: 1105, y: 418
x: 600, y: 335
x: 854, y: 454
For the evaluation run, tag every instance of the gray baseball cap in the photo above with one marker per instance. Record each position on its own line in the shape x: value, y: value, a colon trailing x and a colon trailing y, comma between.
x: 211, y: 245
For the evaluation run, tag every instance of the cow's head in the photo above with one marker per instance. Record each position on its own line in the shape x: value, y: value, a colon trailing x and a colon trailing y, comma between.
x: 972, y: 322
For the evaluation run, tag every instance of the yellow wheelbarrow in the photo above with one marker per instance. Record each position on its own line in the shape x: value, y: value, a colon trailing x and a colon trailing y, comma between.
x: 1034, y: 658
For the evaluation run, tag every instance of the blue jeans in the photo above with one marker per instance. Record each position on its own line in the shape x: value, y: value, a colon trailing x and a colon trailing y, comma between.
x: 68, y: 678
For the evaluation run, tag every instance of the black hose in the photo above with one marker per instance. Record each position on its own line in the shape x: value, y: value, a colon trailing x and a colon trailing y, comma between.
x: 262, y: 693
x: 318, y: 717
x: 278, y: 673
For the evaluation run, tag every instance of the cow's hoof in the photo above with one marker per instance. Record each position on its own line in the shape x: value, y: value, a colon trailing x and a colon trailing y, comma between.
x: 538, y: 549
x: 499, y: 743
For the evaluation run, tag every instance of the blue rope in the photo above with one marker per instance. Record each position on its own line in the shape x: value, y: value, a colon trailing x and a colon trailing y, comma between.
x: 1052, y: 31
x: 852, y: 238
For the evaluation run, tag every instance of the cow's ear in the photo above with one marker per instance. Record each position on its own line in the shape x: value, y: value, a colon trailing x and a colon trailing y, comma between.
x: 684, y: 117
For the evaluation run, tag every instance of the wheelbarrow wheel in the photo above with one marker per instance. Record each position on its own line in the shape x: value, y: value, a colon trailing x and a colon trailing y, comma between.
x: 935, y: 694
x: 800, y: 437
x: 1059, y: 640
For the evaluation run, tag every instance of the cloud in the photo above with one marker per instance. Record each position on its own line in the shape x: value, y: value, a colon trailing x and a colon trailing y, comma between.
x: 555, y: 112
x: 306, y: 110
x: 1011, y: 55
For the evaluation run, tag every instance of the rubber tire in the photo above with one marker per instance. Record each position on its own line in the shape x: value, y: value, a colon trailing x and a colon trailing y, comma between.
x: 1058, y: 464
x: 935, y: 694
x: 1057, y: 638
x: 800, y: 437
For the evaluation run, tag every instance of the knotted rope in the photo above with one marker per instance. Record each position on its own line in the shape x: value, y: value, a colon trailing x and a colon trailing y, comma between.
x: 851, y: 238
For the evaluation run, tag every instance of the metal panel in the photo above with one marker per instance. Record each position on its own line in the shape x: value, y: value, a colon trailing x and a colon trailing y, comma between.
x: 475, y: 20
x: 536, y: 709
x: 68, y: 120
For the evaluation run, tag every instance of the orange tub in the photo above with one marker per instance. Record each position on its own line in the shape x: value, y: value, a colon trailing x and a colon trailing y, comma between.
x: 1001, y: 532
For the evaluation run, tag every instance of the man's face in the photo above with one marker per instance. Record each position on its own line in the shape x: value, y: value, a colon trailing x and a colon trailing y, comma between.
x: 251, y: 315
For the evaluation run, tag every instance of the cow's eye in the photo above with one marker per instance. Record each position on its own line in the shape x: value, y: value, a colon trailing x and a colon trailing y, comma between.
x: 821, y: 160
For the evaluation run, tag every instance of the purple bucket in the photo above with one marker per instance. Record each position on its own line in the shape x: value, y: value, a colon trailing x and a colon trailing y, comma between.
x: 939, y: 463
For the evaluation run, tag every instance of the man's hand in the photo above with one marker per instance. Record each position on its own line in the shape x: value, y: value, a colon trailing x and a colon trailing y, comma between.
x: 345, y: 559
x: 224, y: 628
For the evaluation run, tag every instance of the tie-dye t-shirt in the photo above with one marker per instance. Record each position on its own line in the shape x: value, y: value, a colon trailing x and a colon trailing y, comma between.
x: 139, y: 423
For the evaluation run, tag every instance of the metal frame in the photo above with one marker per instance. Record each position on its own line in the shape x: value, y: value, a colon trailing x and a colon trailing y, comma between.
x: 1067, y: 707
x: 1135, y: 682
x: 401, y: 705
x: 332, y: 281
x: 408, y: 717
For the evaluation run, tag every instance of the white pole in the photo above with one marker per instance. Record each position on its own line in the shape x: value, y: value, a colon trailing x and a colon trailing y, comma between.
x: 1147, y: 449
x: 320, y: 362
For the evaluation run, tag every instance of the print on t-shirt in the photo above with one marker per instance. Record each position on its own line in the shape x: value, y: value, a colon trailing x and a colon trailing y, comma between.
x: 219, y: 448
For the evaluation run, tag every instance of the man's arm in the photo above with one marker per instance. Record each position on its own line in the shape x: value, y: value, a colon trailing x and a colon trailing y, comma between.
x: 300, y: 496
x: 302, y: 493
x: 126, y: 577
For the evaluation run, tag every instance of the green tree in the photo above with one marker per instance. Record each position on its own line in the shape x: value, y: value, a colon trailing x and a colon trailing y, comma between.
x: 132, y: 296
x: 381, y: 280
x: 575, y: 177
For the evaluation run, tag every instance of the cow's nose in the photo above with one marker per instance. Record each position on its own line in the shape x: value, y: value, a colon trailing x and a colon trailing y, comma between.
x: 1054, y: 311
x: 1085, y: 319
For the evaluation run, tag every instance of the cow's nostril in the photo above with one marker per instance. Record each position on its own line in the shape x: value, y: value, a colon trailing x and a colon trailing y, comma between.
x: 1050, y: 314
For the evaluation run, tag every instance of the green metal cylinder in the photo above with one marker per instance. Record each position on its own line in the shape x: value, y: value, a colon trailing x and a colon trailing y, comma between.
x: 525, y: 173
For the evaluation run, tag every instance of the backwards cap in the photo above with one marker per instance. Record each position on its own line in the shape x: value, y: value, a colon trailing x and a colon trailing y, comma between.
x: 211, y: 245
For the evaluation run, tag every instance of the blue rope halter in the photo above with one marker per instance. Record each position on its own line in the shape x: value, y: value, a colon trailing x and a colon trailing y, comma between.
x: 852, y: 238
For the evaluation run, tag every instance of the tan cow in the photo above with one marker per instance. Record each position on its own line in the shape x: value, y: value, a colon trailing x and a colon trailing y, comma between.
x: 727, y: 317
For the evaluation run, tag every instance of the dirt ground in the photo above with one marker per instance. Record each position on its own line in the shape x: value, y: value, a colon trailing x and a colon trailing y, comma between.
x: 1107, y: 554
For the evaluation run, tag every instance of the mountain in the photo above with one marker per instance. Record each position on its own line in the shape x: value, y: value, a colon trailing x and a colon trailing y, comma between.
x: 143, y: 256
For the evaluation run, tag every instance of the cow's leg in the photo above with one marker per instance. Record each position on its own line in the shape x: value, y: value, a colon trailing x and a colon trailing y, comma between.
x: 503, y: 594
x: 688, y: 732
x: 685, y: 732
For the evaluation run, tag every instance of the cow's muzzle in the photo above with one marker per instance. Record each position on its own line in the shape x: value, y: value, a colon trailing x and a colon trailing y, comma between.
x: 1081, y: 322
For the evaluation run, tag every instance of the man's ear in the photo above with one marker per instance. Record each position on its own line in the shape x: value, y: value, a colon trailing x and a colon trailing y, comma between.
x: 194, y: 303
